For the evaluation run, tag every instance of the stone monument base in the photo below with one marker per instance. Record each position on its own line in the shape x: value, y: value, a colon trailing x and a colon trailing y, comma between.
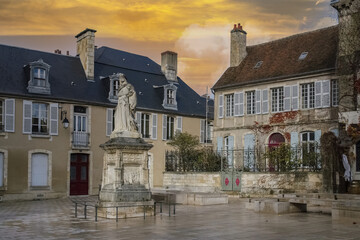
x: 125, y: 187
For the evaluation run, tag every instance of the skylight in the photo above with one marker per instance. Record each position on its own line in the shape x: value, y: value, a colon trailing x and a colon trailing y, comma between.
x: 258, y: 64
x: 303, y: 55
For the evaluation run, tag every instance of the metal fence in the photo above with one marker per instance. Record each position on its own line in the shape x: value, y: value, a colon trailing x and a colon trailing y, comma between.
x: 283, y: 158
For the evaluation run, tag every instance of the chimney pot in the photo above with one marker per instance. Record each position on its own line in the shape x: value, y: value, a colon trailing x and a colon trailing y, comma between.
x: 234, y: 26
x: 239, y: 26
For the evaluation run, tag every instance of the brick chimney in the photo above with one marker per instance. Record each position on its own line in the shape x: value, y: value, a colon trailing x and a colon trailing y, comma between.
x: 169, y: 65
x: 85, y: 49
x: 237, y: 45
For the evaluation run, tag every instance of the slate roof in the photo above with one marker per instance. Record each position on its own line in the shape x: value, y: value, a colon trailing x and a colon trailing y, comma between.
x: 68, y: 81
x: 281, y: 58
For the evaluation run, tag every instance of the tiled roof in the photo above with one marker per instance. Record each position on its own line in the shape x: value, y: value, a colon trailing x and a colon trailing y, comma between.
x: 68, y: 81
x: 280, y: 58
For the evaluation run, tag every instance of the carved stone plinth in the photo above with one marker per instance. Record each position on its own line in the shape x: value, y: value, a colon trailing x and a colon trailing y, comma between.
x: 125, y: 182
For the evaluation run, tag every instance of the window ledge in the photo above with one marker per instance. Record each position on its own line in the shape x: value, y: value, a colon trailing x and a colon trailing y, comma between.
x: 40, y: 136
x: 37, y: 188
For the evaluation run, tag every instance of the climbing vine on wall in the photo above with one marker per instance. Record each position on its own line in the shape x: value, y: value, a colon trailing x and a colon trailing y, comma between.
x: 281, y: 117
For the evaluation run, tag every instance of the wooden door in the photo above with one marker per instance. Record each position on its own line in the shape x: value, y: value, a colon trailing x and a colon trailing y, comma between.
x: 79, y: 174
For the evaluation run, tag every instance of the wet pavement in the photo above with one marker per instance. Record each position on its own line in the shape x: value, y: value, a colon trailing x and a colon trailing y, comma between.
x: 54, y: 219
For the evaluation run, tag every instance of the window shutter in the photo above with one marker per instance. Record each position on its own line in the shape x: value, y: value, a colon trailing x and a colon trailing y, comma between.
x: 326, y: 93
x: 287, y: 98
x: 154, y: 126
x: 219, y: 146
x: 317, y: 136
x: 318, y: 94
x: 295, y: 97
x: 138, y: 121
x: 241, y: 104
x: 179, y: 124
x: 27, y: 116
x: 1, y: 169
x: 265, y: 101
x: 258, y: 101
x: 236, y: 104
x: 221, y: 106
x: 335, y: 131
x: 9, y: 115
x: 54, y: 116
x: 39, y: 169
x: 294, y: 139
x: 231, y: 150
x: 109, y: 121
x: 164, y: 126
x: 202, y: 130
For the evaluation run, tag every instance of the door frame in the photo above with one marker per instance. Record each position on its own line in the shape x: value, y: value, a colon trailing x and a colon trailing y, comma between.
x: 90, y: 169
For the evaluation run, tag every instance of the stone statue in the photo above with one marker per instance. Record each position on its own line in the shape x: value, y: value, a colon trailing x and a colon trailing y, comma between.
x: 125, y: 125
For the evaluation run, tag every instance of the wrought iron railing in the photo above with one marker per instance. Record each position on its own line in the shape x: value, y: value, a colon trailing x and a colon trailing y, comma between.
x: 283, y: 158
x: 80, y: 139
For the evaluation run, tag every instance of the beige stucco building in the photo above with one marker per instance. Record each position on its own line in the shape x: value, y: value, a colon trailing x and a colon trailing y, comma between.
x: 57, y: 109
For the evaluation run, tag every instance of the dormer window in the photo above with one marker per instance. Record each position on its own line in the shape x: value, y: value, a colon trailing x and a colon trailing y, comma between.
x: 39, y: 77
x: 114, y: 87
x: 170, y: 97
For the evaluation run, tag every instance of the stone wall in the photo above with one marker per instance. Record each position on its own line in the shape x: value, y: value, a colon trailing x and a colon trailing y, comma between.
x: 251, y: 183
x: 193, y: 182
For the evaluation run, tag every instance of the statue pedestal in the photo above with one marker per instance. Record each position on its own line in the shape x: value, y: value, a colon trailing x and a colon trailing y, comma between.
x: 125, y: 182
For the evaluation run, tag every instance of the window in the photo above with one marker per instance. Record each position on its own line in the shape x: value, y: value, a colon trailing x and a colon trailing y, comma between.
x: 115, y: 87
x: 170, y: 97
x: 250, y: 102
x: 229, y: 101
x: 1, y: 115
x: 39, y: 77
x: 258, y: 64
x: 169, y: 101
x: 277, y: 97
x: 80, y: 119
x: 205, y: 131
x: 308, y: 147
x: 39, y: 170
x: 308, y: 95
x: 170, y: 128
x: 145, y: 125
x: 334, y: 93
x: 39, y: 118
x: 303, y: 55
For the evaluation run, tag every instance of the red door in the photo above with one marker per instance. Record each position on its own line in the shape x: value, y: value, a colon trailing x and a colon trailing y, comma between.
x: 79, y: 174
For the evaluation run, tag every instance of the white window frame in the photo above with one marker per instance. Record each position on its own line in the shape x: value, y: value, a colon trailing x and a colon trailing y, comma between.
x: 3, y: 169
x: 334, y: 92
x: 250, y: 102
x: 308, y: 95
x: 145, y: 125
x: 170, y: 127
x: 40, y: 111
x: 48, y: 185
x: 277, y: 99
x: 2, y: 117
x: 83, y: 118
x: 229, y: 105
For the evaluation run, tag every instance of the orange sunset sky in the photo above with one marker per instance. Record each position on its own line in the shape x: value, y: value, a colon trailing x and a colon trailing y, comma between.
x: 198, y: 30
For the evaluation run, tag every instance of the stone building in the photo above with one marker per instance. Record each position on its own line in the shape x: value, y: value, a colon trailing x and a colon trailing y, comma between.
x: 56, y: 110
x: 283, y: 91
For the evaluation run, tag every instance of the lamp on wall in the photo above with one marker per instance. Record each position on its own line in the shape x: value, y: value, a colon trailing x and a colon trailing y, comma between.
x: 65, y: 121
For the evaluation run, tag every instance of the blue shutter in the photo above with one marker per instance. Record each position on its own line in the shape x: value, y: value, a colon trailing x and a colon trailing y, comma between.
x: 287, y: 98
x: 231, y: 149
x: 265, y: 101
x: 317, y: 136
x: 258, y: 101
x: 295, y: 97
x: 294, y: 140
x: 219, y: 146
x: 249, y: 155
x: 221, y: 106
x: 335, y: 131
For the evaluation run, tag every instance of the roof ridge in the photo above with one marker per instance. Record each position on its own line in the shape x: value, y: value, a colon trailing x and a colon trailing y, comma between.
x: 35, y: 50
x: 293, y: 36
